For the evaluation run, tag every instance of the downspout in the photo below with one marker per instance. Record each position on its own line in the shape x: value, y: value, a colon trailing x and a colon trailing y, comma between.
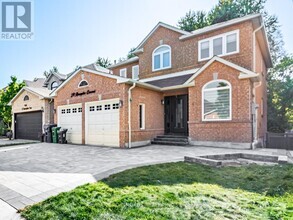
x: 129, y: 114
x: 255, y: 106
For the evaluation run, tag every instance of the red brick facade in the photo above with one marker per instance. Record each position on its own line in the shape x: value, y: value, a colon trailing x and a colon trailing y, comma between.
x: 236, y: 130
x: 184, y: 57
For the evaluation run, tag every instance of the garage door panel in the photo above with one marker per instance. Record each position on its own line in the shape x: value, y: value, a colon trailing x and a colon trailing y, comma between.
x: 102, y: 126
x: 70, y: 117
x: 28, y: 125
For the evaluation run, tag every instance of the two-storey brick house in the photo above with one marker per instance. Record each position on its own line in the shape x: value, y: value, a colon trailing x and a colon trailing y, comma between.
x: 208, y: 85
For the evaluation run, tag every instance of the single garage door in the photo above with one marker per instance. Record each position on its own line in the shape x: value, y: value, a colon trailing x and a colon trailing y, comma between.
x: 70, y: 117
x: 102, y: 123
x: 28, y: 125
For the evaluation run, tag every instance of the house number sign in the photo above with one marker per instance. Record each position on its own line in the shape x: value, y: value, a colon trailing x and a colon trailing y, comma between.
x: 76, y: 94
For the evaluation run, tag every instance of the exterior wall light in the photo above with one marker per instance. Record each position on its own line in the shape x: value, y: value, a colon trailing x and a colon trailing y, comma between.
x: 120, y: 103
x: 162, y: 102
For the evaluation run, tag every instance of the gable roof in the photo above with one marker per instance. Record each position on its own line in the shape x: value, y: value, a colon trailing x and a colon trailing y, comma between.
x: 36, y: 83
x: 131, y: 60
x: 91, y: 68
x: 244, y: 73
x: 42, y: 92
x: 220, y: 25
x: 161, y: 24
x: 60, y: 76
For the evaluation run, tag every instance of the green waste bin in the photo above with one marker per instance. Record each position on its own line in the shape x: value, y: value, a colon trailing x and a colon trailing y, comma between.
x: 55, y: 134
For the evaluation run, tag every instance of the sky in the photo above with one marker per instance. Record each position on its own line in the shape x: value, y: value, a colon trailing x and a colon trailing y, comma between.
x: 70, y: 33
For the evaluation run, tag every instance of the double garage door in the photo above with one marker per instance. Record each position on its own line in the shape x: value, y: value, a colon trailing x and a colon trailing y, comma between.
x: 101, y: 122
x: 28, y: 125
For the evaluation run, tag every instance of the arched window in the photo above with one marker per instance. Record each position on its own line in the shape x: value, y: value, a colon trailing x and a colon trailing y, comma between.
x: 54, y: 85
x: 83, y: 83
x: 216, y: 101
x: 162, y: 57
x: 26, y: 98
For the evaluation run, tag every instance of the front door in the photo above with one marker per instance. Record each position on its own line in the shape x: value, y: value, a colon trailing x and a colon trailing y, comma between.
x: 176, y: 113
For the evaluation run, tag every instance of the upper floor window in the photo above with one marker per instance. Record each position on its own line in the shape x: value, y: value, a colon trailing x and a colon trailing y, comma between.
x: 216, y: 101
x: 83, y: 83
x: 135, y: 72
x: 26, y: 98
x: 54, y: 85
x: 123, y: 73
x: 220, y: 45
x: 162, y: 57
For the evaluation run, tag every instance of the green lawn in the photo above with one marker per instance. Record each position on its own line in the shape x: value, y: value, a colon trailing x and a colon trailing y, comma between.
x: 178, y: 191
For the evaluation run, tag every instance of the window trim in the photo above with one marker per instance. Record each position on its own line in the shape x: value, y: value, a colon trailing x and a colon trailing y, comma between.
x: 142, y: 116
x: 224, y: 44
x: 79, y: 86
x: 213, y: 89
x: 137, y: 66
x: 161, y: 58
x: 125, y: 72
x: 52, y: 85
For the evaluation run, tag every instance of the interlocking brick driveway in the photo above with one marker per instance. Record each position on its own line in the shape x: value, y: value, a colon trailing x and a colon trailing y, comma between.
x: 32, y: 173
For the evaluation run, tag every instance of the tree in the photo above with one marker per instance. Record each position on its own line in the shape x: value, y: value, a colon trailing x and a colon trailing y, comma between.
x: 6, y: 96
x: 53, y: 70
x: 103, y: 62
x: 193, y: 21
x: 130, y: 53
x: 280, y: 96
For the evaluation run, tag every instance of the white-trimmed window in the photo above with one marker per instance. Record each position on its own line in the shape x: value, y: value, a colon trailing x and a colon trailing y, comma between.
x: 135, y: 72
x: 83, y: 83
x: 123, y: 73
x: 216, y: 101
x: 142, y: 116
x: 162, y: 58
x: 220, y: 45
x: 54, y: 85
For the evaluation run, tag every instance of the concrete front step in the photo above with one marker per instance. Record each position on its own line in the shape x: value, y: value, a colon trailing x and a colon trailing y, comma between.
x: 174, y: 143
x: 171, y: 139
x: 172, y: 136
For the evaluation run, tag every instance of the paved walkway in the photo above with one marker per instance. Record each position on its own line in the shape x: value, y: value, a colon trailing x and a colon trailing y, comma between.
x: 32, y: 173
x: 6, y: 142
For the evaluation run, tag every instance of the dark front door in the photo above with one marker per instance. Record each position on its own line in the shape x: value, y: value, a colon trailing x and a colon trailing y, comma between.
x: 176, y: 113
x: 28, y: 125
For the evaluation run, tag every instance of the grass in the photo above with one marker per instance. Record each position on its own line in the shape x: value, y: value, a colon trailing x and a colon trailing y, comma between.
x: 178, y: 191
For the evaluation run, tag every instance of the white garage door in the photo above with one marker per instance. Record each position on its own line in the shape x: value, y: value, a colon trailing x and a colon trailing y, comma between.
x: 102, y: 123
x: 70, y: 117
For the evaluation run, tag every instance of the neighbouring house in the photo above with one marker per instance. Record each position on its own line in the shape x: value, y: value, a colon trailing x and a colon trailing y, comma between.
x: 36, y: 83
x: 208, y: 85
x: 33, y: 107
x: 54, y: 80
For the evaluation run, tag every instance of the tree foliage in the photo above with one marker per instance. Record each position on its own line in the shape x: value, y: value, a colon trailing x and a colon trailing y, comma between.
x: 6, y: 96
x: 193, y: 21
x: 280, y: 77
x: 280, y: 96
x: 130, y: 53
x: 53, y: 70
x: 103, y: 62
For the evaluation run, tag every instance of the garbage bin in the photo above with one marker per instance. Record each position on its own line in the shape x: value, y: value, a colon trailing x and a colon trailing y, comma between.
x: 48, y: 132
x: 55, y: 134
x: 62, y: 136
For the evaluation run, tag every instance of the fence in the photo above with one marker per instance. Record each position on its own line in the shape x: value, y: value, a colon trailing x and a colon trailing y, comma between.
x: 280, y: 141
